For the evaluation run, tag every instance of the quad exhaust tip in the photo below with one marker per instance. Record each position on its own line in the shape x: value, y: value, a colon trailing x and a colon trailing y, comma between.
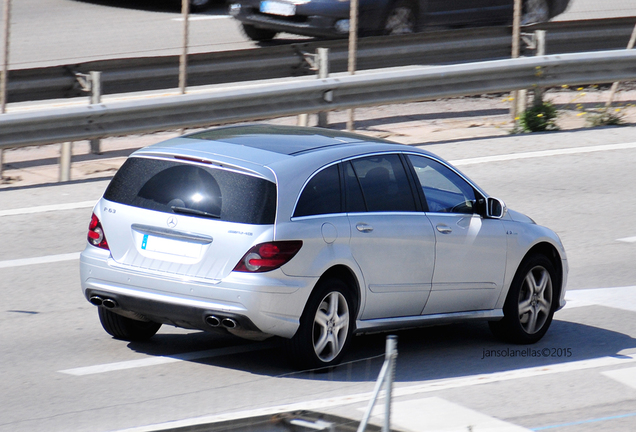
x: 229, y: 323
x: 106, y: 302
x: 214, y: 321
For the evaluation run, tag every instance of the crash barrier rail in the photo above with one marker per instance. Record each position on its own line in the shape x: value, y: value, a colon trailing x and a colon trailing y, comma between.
x: 385, y: 379
x: 295, y: 96
x: 436, y: 47
x: 266, y: 100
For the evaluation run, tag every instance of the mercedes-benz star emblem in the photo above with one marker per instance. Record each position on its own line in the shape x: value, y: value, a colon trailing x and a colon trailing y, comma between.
x: 172, y: 222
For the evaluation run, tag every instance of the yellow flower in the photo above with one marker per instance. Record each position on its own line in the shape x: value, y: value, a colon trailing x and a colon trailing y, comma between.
x: 617, y: 110
x: 565, y: 86
x: 539, y: 115
x: 581, y: 113
x: 579, y: 89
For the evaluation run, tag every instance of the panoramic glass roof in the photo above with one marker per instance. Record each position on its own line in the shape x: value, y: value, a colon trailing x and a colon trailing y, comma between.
x: 280, y: 139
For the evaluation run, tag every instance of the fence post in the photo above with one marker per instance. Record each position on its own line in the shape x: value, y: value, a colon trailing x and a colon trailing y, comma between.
x: 539, y: 37
x: 630, y: 45
x: 65, y: 161
x: 391, y: 355
x: 96, y: 97
x: 5, y: 57
x: 322, y: 58
x: 385, y: 378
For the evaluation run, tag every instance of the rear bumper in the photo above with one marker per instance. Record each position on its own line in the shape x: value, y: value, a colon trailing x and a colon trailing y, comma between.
x: 269, y: 303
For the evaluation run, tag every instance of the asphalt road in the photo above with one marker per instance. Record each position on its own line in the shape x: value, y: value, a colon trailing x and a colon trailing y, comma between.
x: 61, y: 372
x: 64, y: 32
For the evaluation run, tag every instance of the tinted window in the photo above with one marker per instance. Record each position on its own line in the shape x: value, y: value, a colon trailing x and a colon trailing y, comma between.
x: 355, y: 200
x: 385, y: 186
x: 321, y: 195
x: 173, y: 187
x: 445, y: 191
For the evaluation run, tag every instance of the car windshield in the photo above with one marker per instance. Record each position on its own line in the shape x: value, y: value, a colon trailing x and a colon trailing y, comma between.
x: 194, y: 190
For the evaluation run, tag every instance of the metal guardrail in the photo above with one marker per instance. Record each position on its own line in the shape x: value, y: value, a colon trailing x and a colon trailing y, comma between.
x: 435, y: 47
x: 255, y: 101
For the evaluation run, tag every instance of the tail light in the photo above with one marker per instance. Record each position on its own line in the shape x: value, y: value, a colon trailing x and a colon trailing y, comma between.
x: 96, y: 235
x: 269, y: 256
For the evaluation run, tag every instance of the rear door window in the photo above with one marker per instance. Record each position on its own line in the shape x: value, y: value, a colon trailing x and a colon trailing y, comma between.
x: 322, y: 194
x: 193, y: 190
x: 385, y: 186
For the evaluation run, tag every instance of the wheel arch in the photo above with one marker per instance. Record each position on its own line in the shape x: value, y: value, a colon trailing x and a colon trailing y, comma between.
x: 346, y: 275
x: 551, y: 253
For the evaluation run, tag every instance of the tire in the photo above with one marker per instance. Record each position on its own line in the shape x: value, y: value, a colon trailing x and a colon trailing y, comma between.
x: 535, y: 11
x: 325, y: 328
x: 530, y: 303
x: 401, y: 19
x: 258, y: 34
x: 200, y: 5
x: 127, y: 329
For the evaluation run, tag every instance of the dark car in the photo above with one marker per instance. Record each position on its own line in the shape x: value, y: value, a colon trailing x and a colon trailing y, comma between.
x: 263, y: 19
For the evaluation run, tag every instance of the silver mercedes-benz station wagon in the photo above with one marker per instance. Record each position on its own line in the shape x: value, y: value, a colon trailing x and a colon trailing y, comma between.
x: 311, y: 235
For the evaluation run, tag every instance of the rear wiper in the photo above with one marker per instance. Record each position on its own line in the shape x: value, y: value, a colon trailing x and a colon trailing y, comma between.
x: 194, y: 212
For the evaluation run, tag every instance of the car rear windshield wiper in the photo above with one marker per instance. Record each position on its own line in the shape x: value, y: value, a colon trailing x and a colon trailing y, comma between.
x: 195, y: 212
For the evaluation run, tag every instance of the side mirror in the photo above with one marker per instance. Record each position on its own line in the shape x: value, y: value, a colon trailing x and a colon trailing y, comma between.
x: 495, y: 208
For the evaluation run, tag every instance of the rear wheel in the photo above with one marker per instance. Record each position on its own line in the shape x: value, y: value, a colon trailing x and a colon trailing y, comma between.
x: 258, y: 34
x: 535, y: 11
x: 401, y: 19
x: 127, y: 329
x: 530, y: 303
x: 325, y: 326
x: 199, y: 5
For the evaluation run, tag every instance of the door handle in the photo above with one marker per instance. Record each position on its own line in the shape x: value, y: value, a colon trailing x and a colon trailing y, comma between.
x: 444, y: 229
x: 364, y: 228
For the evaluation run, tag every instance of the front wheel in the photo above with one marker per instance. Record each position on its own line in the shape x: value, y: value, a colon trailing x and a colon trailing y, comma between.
x: 258, y: 34
x: 127, y: 329
x: 401, y: 19
x: 200, y: 5
x: 529, y: 306
x: 325, y: 326
x: 535, y: 11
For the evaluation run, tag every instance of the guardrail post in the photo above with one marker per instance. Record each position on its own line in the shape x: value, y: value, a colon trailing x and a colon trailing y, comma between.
x: 539, y: 37
x: 322, y: 58
x: 65, y: 161
x: 96, y: 97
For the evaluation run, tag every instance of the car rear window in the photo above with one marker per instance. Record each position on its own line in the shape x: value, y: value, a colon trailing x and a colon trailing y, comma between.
x: 193, y: 190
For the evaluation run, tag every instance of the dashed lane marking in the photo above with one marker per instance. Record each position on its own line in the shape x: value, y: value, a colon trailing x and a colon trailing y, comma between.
x: 154, y: 361
x: 48, y: 208
x: 39, y: 260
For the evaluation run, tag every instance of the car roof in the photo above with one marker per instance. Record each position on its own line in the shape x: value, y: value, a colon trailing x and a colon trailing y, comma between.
x: 262, y: 149
x: 285, y: 155
x: 281, y: 139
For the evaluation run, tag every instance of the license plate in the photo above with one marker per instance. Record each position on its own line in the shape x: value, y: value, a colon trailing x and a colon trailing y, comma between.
x: 170, y: 247
x: 277, y: 8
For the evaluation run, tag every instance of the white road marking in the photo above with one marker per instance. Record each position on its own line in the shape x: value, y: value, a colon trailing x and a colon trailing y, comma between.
x: 543, y: 153
x: 435, y: 414
x: 48, y: 208
x: 426, y: 387
x: 203, y: 18
x: 153, y: 361
x: 625, y: 376
x: 628, y: 239
x: 619, y: 298
x: 39, y: 260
